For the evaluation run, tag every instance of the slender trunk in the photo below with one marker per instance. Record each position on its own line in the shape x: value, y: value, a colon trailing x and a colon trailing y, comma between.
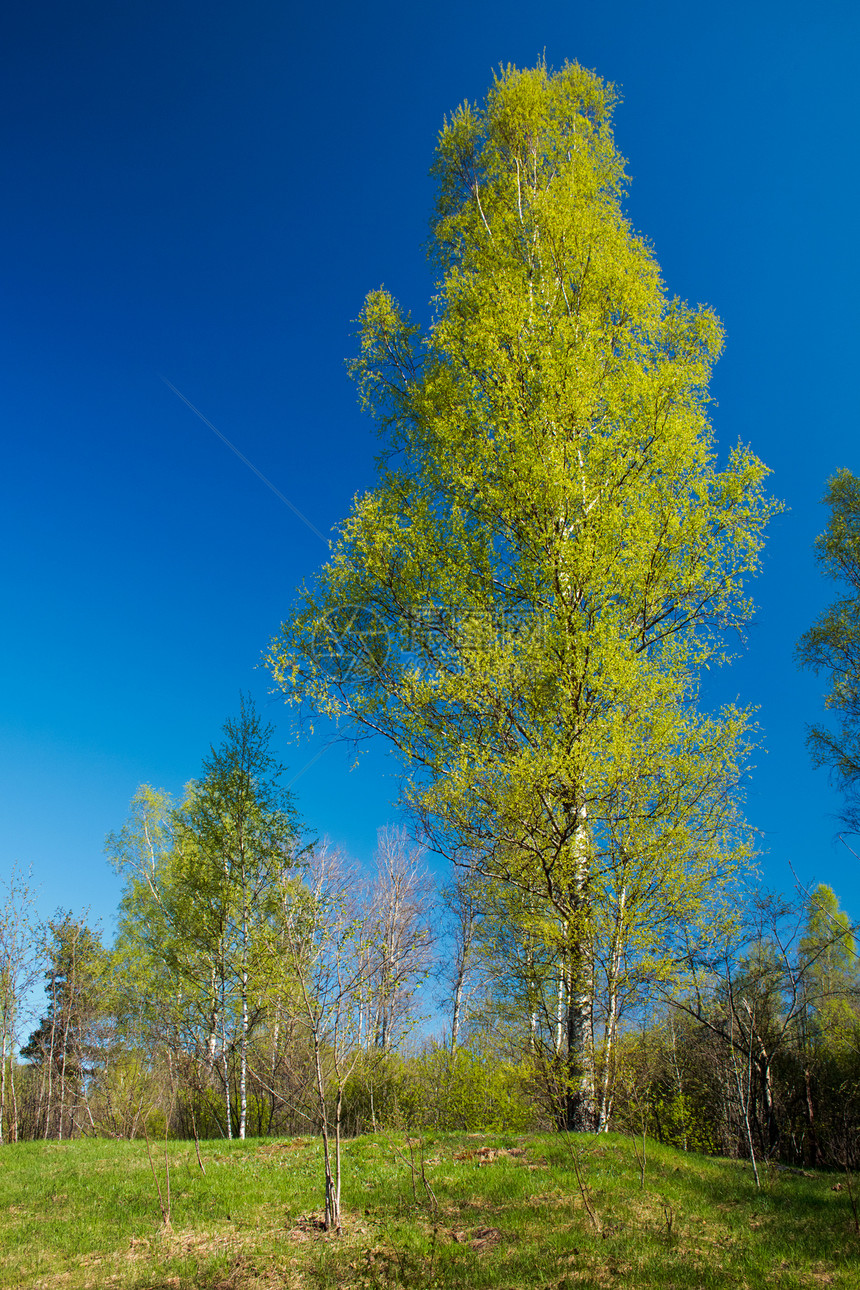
x: 276, y: 1035
x: 84, y: 1091
x: 763, y: 1064
x: 13, y: 1095
x: 212, y: 1036
x: 608, y: 1060
x: 678, y: 1083
x: 743, y: 1100
x: 458, y: 1003
x: 561, y: 991
x: 612, y: 1014
x: 766, y: 1079
x: 243, y: 1047
x: 64, y: 1054
x: 533, y: 1017
x: 383, y: 1018
x: 330, y: 1194
x: 5, y: 1045
x: 580, y: 1117
x: 810, y: 1116
x: 468, y: 928
x: 337, y: 1156
x: 227, y: 1083
x: 49, y: 1107
x: 728, y: 1132
x: 13, y: 1123
x: 273, y: 1071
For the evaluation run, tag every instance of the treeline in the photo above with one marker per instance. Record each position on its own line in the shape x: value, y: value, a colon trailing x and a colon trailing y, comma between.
x: 259, y: 984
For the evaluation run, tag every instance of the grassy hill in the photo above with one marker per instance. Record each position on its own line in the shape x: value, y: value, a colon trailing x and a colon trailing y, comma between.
x: 495, y: 1211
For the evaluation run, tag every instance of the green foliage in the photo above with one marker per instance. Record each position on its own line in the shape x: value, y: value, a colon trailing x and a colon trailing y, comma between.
x: 127, y: 1093
x: 468, y: 1090
x: 524, y: 603
x: 66, y: 1046
x: 832, y: 644
x: 668, y: 1085
x: 475, y: 1090
x: 75, y: 986
x: 831, y: 971
x: 197, y: 934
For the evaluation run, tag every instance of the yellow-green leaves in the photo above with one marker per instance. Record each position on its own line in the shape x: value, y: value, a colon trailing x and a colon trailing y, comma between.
x: 552, y: 554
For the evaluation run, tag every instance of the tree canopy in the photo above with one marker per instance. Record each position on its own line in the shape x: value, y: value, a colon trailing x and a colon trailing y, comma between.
x: 524, y: 603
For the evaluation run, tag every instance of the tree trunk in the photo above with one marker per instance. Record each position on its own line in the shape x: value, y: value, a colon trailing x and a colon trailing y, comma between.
x: 460, y: 979
x: 561, y: 991
x: 579, y: 1117
x: 810, y: 1118
x: 227, y: 1103
x: 4, y: 1046
x: 611, y: 1015
x: 458, y: 1003
x: 337, y: 1156
x: 50, y: 1080
x: 608, y: 1059
x: 579, y: 1092
x: 71, y: 985
x: 332, y: 1208
x: 678, y: 1081
x: 212, y: 1037
x: 13, y: 1095
x: 243, y: 1047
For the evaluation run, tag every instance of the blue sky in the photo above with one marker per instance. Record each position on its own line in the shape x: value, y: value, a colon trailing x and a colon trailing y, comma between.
x: 204, y: 193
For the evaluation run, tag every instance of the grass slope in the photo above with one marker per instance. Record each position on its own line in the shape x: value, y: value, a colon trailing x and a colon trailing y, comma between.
x: 498, y: 1211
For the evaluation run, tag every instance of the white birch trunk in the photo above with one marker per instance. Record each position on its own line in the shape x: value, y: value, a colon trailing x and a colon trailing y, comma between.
x: 243, y: 1045
x: 612, y: 1014
x: 580, y: 1046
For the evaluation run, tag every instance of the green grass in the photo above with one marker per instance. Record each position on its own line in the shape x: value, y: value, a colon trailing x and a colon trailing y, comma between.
x: 509, y: 1213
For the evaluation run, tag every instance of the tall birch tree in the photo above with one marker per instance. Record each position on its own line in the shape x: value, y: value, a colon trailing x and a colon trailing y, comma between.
x: 174, y: 926
x: 201, y: 892
x: 524, y: 603
x: 244, y: 821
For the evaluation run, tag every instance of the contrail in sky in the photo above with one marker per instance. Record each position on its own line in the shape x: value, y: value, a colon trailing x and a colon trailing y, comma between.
x: 304, y: 519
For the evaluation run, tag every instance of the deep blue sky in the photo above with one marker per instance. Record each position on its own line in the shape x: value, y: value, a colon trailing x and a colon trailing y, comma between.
x: 204, y: 192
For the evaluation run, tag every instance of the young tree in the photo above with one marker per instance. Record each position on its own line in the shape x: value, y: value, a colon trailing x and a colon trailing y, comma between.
x: 202, y: 883
x: 399, y: 945
x: 829, y: 960
x: 244, y: 821
x: 524, y: 603
x: 829, y: 996
x: 173, y: 933
x: 326, y: 942
x: 459, y: 971
x: 832, y: 644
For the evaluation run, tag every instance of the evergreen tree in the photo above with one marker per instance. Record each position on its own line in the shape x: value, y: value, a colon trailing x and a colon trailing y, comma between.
x: 832, y: 644
x: 64, y: 1047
